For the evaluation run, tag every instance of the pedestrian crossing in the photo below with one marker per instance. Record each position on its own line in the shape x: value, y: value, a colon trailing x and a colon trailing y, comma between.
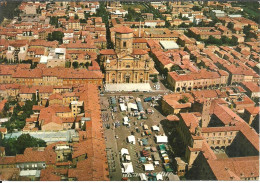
x: 164, y: 174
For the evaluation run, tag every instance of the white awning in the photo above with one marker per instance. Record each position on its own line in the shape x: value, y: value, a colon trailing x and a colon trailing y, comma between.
x: 156, y: 163
x: 145, y: 127
x: 128, y: 168
x: 159, y: 176
x: 132, y: 106
x: 127, y: 157
x: 122, y: 107
x: 143, y: 177
x: 155, y: 128
x: 131, y: 139
x: 161, y: 139
x: 124, y: 151
x: 126, y: 119
x: 148, y: 167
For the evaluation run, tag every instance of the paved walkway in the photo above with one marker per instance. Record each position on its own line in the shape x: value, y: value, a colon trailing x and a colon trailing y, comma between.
x: 128, y: 87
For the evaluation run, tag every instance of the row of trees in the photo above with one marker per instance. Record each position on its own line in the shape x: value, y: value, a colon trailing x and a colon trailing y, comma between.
x: 76, y: 65
x: 15, y: 146
x: 19, y: 114
x: 8, y: 9
x: 133, y: 15
x: 56, y: 35
x: 224, y: 40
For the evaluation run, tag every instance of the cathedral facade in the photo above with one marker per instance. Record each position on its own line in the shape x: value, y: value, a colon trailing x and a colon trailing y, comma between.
x: 125, y: 64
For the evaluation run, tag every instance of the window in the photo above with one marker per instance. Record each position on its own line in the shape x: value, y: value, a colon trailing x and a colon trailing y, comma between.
x: 124, y: 44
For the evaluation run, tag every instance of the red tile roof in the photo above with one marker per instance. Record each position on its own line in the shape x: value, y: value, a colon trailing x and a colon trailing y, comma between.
x: 108, y: 52
x: 123, y: 30
x: 190, y: 121
x: 253, y: 110
x: 235, y: 168
x: 253, y: 87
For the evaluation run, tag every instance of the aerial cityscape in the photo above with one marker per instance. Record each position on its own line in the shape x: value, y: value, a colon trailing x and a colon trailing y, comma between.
x: 129, y: 90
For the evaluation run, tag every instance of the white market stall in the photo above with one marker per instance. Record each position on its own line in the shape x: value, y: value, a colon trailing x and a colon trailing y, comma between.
x: 159, y: 176
x: 145, y: 127
x: 132, y: 106
x: 128, y: 168
x: 126, y: 120
x: 124, y: 151
x: 131, y: 139
x: 161, y: 139
x: 127, y: 157
x: 122, y: 107
x: 155, y: 128
x: 143, y: 177
x: 148, y: 167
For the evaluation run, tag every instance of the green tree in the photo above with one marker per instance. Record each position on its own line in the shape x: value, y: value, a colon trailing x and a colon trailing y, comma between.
x: 184, y: 100
x: 175, y: 68
x: 15, y: 146
x: 67, y: 64
x: 25, y: 140
x: 56, y: 35
x: 86, y: 15
x: 165, y: 71
x: 75, y: 65
x: 196, y: 8
x: 87, y: 64
x: 76, y: 17
x: 54, y: 21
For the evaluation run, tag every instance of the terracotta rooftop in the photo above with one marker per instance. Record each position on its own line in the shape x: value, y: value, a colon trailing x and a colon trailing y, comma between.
x: 253, y: 110
x: 190, y: 121
x: 123, y: 30
x: 235, y: 168
x: 253, y: 87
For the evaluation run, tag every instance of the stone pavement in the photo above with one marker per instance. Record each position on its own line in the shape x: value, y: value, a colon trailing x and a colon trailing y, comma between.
x: 128, y: 87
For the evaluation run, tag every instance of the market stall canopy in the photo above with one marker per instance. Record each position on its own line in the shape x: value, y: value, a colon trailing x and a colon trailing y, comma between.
x: 131, y: 139
x: 148, y: 167
x: 161, y: 139
x: 156, y: 163
x: 124, y: 151
x: 159, y: 176
x: 132, y: 106
x: 156, y: 128
x: 127, y: 157
x: 156, y: 156
x: 122, y: 107
x: 145, y: 127
x: 142, y: 159
x: 143, y: 177
x: 145, y: 142
x: 154, y: 149
x: 128, y: 168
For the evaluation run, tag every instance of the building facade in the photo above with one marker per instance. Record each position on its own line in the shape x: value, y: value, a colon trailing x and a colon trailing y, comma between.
x: 125, y: 64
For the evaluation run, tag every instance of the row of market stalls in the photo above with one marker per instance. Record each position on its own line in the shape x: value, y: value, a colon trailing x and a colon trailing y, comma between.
x: 127, y: 166
x: 151, y: 177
